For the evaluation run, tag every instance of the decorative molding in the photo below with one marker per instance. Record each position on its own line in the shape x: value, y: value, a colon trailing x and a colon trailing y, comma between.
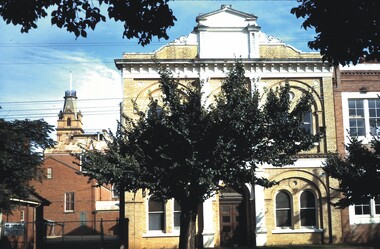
x: 269, y: 68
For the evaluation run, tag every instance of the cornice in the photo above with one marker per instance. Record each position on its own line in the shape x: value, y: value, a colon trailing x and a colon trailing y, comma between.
x: 357, y: 72
x: 276, y: 67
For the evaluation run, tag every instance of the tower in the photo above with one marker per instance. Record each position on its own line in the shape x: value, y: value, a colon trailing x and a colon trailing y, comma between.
x: 69, y: 121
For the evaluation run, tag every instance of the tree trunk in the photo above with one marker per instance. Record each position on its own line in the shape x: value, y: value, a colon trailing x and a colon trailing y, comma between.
x: 188, y: 226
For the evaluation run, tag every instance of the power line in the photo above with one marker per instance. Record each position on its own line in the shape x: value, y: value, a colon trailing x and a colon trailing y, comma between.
x: 55, y: 101
x: 103, y: 44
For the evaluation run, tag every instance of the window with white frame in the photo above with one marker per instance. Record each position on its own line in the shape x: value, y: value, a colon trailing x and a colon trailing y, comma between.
x: 22, y: 215
x: 377, y: 206
x: 308, y: 211
x: 364, y: 116
x: 366, y: 212
x: 176, y: 215
x: 115, y: 191
x: 283, y: 210
x: 49, y: 173
x: 362, y: 209
x: 82, y: 159
x: 69, y: 202
x: 156, y: 214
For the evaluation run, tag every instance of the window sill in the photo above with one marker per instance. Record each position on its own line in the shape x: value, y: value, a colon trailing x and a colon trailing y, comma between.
x: 68, y: 211
x: 158, y: 234
x: 302, y: 230
x: 358, y: 219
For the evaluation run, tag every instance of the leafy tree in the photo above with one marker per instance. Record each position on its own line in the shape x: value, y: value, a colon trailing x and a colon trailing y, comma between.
x: 142, y: 19
x: 358, y: 172
x: 21, y: 154
x: 184, y: 150
x: 347, y: 31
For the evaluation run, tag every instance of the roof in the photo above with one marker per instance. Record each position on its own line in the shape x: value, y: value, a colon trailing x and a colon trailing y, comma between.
x: 229, y: 9
x: 33, y: 199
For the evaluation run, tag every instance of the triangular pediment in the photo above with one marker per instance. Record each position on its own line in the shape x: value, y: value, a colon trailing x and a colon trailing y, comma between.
x: 226, y: 17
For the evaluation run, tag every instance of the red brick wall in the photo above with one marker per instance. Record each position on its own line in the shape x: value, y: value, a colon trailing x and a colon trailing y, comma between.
x: 65, y: 179
x: 15, y: 217
x: 353, y: 81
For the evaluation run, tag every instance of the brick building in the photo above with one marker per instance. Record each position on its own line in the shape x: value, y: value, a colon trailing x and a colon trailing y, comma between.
x: 297, y: 210
x: 77, y: 206
x: 357, y: 108
x: 24, y: 226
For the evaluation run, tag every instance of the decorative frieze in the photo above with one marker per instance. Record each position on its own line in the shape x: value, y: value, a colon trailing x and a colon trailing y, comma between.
x: 192, y: 69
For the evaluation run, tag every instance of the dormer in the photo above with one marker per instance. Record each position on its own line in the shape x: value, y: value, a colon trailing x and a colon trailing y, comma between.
x: 227, y: 33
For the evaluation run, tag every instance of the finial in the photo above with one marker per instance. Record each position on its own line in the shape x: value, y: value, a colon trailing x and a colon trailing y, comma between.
x: 71, y: 81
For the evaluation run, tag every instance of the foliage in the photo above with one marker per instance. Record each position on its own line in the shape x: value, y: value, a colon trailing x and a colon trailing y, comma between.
x: 21, y: 154
x: 184, y: 150
x: 358, y: 172
x: 142, y: 19
x: 346, y: 31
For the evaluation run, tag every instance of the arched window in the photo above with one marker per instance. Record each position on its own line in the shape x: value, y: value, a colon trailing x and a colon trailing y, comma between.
x: 308, y: 210
x: 154, y: 110
x: 156, y: 213
x: 307, y: 122
x: 69, y: 122
x: 283, y: 210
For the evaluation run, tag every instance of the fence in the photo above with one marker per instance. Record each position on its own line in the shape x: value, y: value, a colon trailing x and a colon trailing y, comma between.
x: 96, y: 234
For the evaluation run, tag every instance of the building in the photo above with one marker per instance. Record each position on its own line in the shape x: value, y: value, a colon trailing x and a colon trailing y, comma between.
x: 77, y: 205
x: 357, y: 108
x: 297, y: 210
x: 24, y: 226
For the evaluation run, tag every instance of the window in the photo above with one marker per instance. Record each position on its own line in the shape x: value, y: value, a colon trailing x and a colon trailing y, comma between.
x: 370, y: 208
x: 49, y: 173
x: 307, y: 122
x: 69, y: 122
x: 115, y: 191
x: 69, y: 202
x: 362, y: 209
x: 22, y: 215
x: 177, y: 215
x: 366, y: 212
x: 356, y: 116
x: 374, y: 116
x: 308, y: 210
x: 364, y: 117
x: 154, y: 111
x: 377, y: 206
x: 82, y: 159
x: 156, y: 213
x: 283, y: 210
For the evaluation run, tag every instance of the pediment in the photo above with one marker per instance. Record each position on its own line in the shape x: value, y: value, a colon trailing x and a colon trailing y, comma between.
x: 226, y: 17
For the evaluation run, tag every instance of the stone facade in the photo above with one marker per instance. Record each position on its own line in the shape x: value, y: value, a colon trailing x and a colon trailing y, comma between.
x: 268, y: 63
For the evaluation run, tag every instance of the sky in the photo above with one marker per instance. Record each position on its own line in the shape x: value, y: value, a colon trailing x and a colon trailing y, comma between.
x: 35, y: 67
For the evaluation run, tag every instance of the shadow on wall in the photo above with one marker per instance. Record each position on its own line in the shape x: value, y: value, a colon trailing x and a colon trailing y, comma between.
x: 363, y: 233
x: 83, y: 230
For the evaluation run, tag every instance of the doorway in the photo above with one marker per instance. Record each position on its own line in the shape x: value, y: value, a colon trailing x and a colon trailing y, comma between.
x: 233, y: 218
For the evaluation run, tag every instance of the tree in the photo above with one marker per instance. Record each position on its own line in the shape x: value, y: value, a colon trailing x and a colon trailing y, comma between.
x: 185, y: 150
x: 21, y: 154
x: 347, y: 31
x: 142, y: 19
x: 358, y: 172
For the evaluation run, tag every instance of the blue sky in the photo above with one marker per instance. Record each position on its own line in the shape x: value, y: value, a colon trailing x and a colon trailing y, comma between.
x: 35, y: 67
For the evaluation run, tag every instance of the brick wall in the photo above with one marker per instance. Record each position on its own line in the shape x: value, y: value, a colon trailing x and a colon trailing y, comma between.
x: 354, y: 81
